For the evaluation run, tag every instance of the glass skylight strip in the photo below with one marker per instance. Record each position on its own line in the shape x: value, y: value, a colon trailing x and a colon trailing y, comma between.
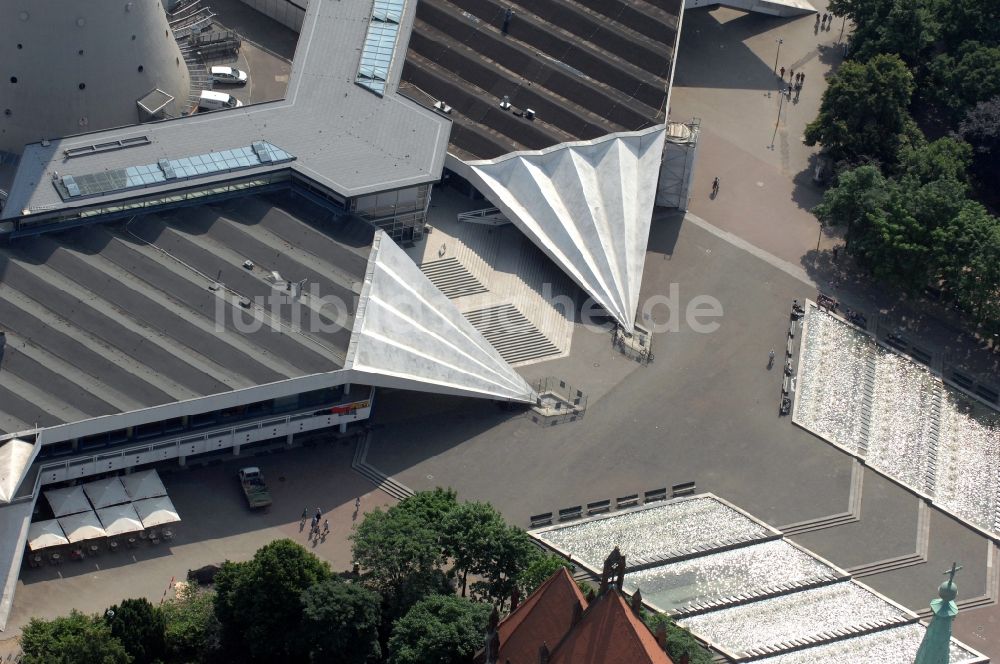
x: 380, y: 45
x: 261, y: 153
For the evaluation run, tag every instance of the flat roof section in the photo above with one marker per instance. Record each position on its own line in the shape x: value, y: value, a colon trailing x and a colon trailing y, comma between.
x: 114, y: 318
x: 344, y: 136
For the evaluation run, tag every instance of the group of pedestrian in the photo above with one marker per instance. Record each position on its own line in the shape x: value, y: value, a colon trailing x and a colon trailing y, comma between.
x: 794, y: 80
x: 314, y: 530
x: 314, y: 526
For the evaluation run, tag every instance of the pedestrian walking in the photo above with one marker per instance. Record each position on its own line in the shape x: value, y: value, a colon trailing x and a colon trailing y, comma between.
x: 826, y: 17
x: 319, y: 514
x: 316, y: 531
x: 791, y: 74
x: 305, y: 514
x: 770, y: 359
x: 715, y: 186
x: 802, y: 79
x: 326, y: 526
x: 782, y: 70
x: 357, y: 503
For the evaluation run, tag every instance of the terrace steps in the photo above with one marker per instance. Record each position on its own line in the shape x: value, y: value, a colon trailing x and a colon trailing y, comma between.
x: 867, y: 399
x: 451, y: 278
x: 934, y: 438
x: 382, y: 481
x: 513, y: 335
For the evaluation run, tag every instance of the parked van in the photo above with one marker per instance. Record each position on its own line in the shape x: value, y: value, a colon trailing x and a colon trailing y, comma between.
x: 211, y: 100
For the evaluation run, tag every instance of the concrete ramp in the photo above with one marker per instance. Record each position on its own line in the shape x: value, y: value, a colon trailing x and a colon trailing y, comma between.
x: 770, y: 7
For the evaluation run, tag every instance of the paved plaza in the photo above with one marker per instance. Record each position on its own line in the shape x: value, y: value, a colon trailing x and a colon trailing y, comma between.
x: 706, y: 410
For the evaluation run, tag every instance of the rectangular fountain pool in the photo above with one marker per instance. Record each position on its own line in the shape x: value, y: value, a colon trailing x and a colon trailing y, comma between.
x: 749, y: 571
x: 897, y: 645
x: 901, y: 418
x: 801, y: 616
x: 657, y: 532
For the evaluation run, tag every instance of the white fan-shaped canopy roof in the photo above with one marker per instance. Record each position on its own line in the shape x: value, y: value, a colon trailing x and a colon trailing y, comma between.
x: 587, y: 205
x: 411, y: 336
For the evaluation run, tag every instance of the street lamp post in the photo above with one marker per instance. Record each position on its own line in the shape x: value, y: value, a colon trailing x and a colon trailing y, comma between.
x: 776, y: 55
x: 781, y: 101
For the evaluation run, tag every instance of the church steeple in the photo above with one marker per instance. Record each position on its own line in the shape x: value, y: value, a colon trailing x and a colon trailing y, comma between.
x: 935, y: 647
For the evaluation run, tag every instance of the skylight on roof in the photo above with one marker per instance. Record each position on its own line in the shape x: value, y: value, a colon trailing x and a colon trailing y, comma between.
x: 261, y: 153
x: 380, y: 44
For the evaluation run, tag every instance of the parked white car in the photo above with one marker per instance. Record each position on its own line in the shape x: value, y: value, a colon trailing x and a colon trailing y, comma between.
x: 229, y: 75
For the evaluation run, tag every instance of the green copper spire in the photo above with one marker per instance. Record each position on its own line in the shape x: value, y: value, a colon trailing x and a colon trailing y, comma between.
x: 936, y: 646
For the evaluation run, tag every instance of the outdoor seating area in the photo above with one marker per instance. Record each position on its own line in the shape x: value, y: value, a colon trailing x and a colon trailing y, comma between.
x: 102, y: 516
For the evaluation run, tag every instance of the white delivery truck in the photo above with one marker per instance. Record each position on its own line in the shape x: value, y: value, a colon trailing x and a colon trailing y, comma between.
x: 211, y: 100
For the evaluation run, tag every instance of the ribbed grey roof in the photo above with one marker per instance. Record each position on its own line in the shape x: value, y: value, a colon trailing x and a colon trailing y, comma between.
x: 343, y: 136
x: 115, y: 318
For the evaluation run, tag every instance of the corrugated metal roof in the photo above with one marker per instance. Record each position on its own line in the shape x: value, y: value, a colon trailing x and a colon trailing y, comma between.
x: 343, y: 136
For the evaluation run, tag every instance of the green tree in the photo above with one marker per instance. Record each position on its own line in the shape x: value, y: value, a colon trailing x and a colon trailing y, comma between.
x: 967, y: 250
x: 910, y: 30
x: 400, y: 552
x: 864, y: 113
x: 894, y: 245
x: 73, y: 639
x: 538, y: 570
x: 341, y: 622
x: 963, y: 78
x: 395, y: 546
x: 192, y: 630
x: 858, y: 192
x: 442, y: 629
x: 680, y: 643
x: 943, y: 159
x: 512, y: 552
x: 140, y: 627
x: 432, y: 507
x: 472, y: 532
x: 258, y: 602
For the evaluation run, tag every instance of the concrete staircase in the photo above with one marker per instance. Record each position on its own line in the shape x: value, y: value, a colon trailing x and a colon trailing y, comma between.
x: 513, y: 335
x: 451, y: 278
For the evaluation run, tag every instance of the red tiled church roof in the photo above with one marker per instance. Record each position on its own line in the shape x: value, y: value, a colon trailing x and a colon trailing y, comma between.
x: 557, y: 615
x: 544, y: 617
x: 608, y: 633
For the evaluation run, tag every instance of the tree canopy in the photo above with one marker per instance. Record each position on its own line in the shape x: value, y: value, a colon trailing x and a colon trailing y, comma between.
x: 441, y: 629
x: 258, y: 602
x: 341, y: 622
x: 864, y: 114
x: 73, y: 639
x: 191, y: 633
x: 139, y: 626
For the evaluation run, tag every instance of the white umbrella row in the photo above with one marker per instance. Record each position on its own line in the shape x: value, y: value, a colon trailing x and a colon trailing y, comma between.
x: 105, y: 522
x: 105, y: 493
